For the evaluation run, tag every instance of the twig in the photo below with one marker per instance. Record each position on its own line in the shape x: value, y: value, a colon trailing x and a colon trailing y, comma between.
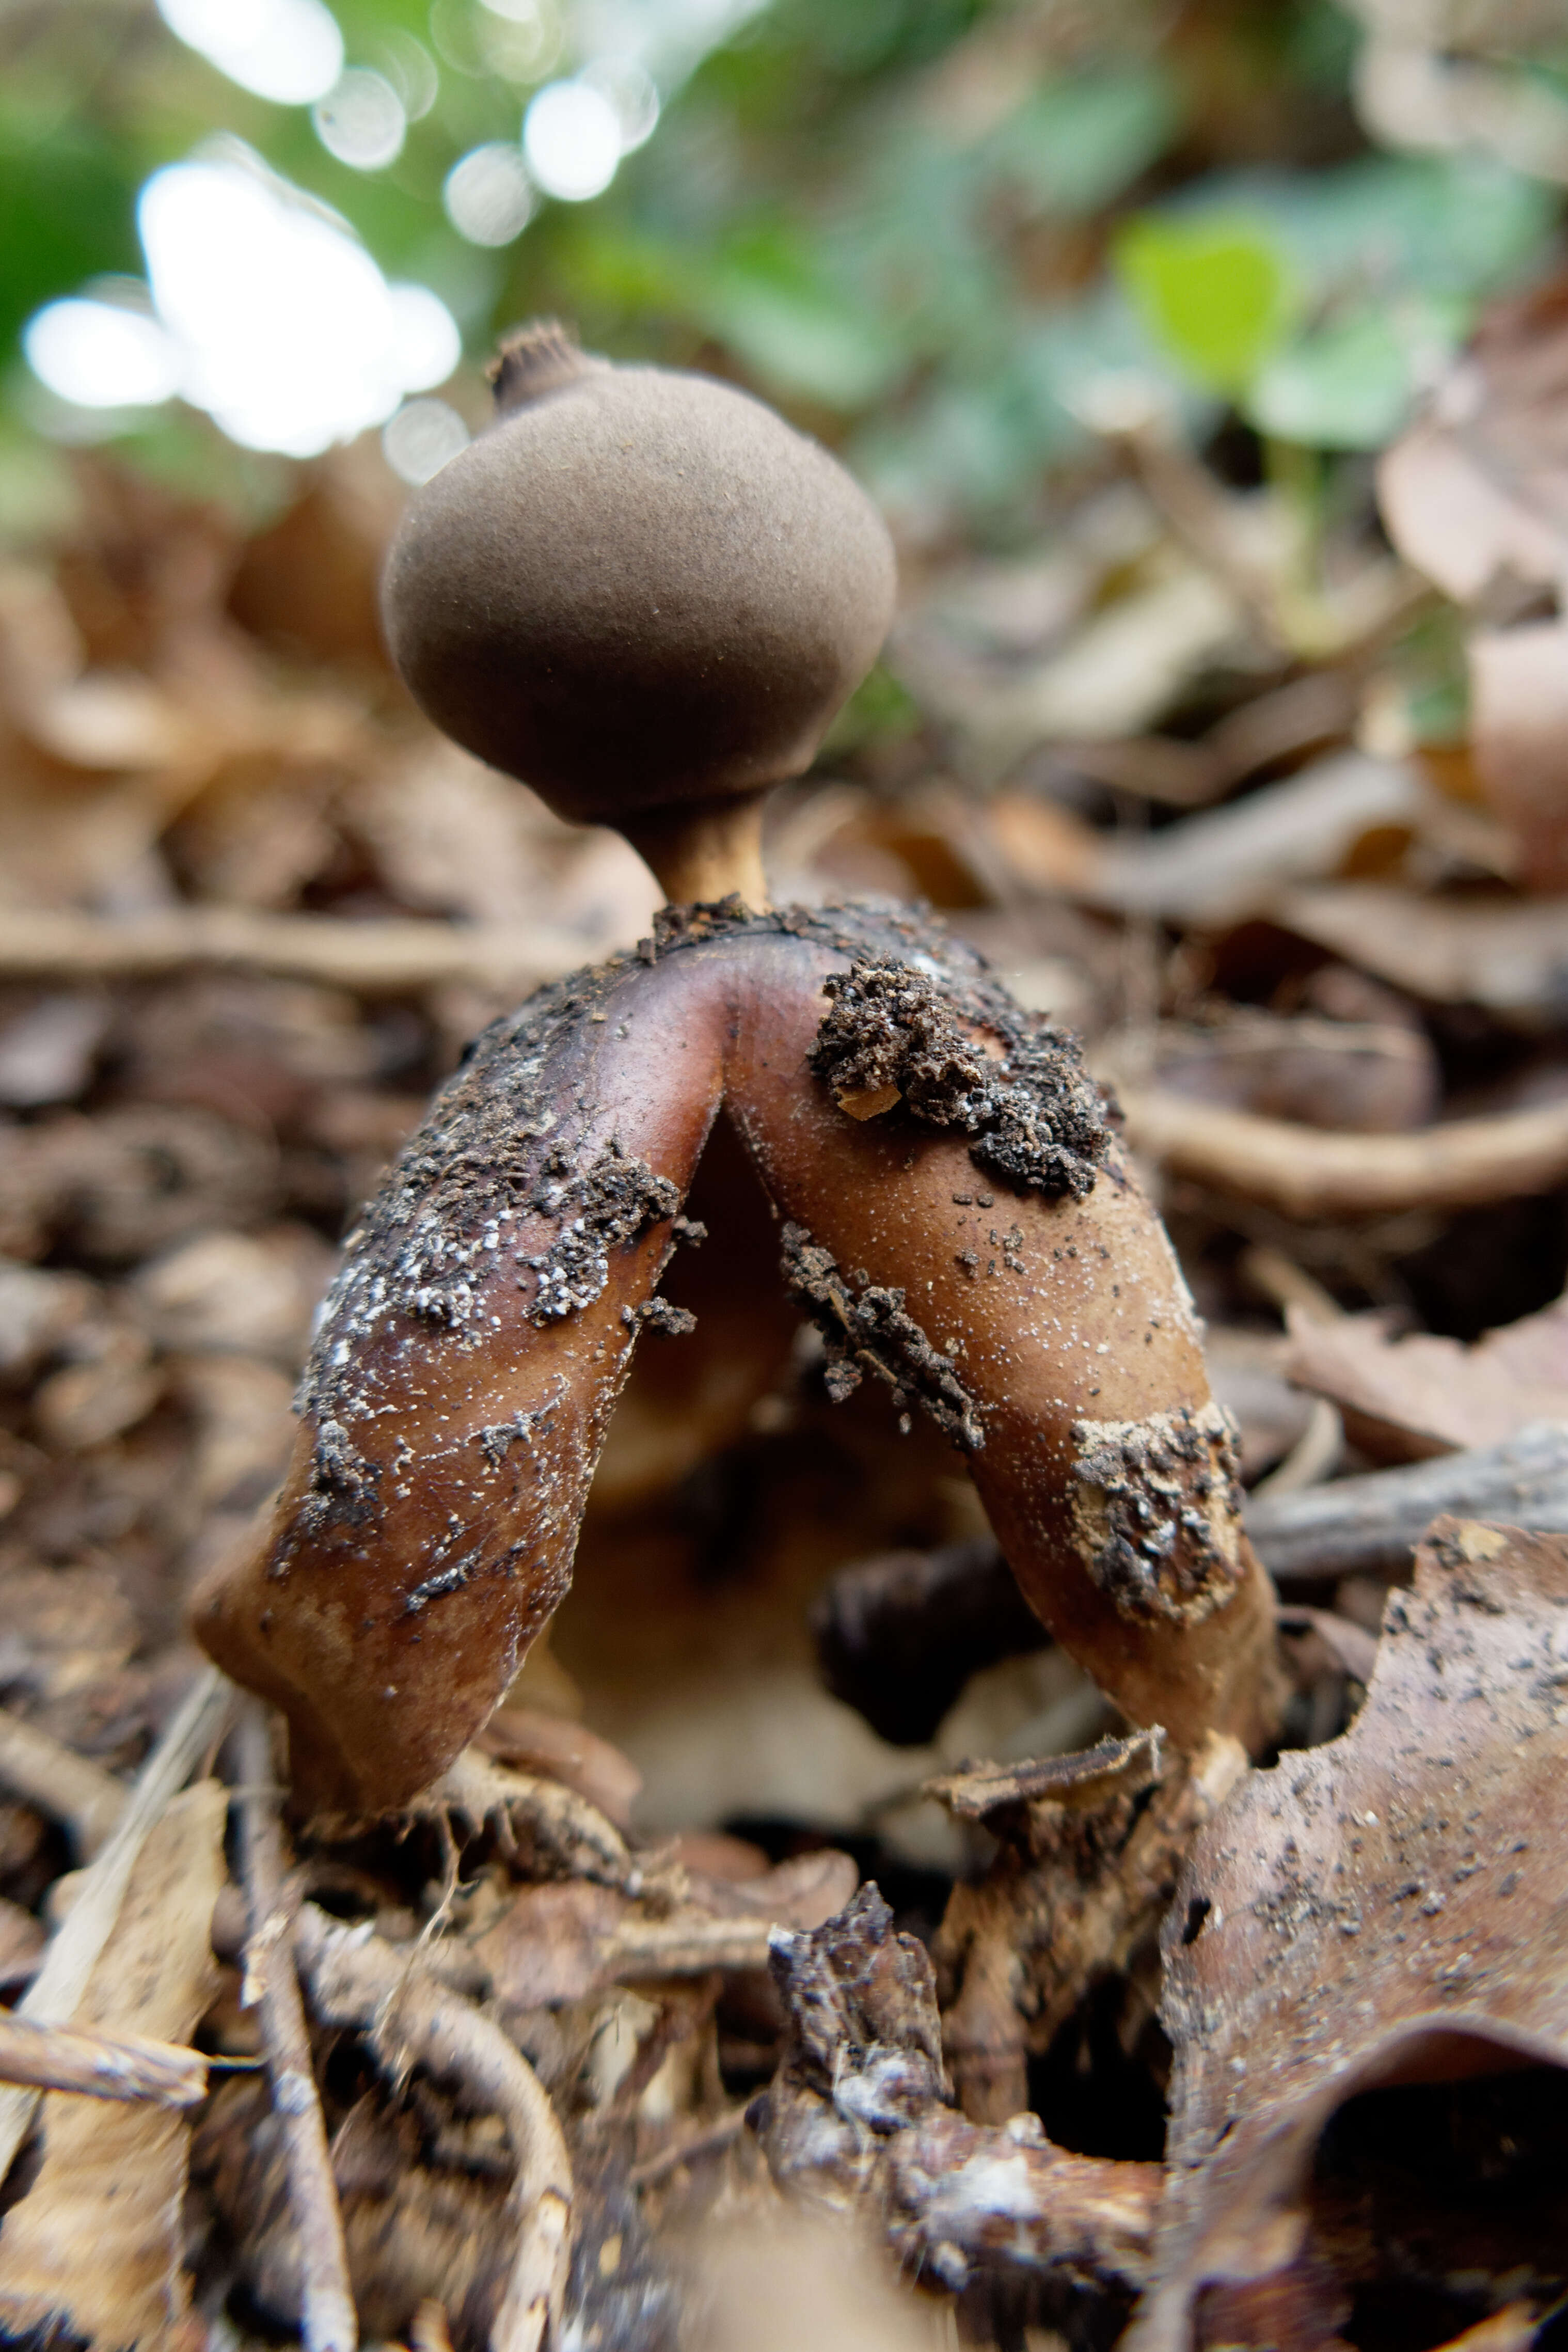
x: 1305, y: 1173
x: 963, y: 2197
x: 357, y: 1980
x: 67, y: 1787
x: 685, y: 1946
x: 866, y: 2047
x: 1370, y: 1526
x: 1312, y: 1457
x: 707, y: 2141
x: 1350, y: 1645
x: 562, y: 1827
x: 74, y: 1951
x: 99, y: 2066
x: 1506, y: 954
x: 377, y: 958
x: 329, y: 2321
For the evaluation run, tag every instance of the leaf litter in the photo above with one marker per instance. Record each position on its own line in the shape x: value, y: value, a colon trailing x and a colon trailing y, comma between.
x: 686, y: 1962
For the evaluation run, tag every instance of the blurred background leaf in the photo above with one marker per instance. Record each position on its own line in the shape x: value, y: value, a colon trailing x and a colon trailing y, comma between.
x: 956, y: 237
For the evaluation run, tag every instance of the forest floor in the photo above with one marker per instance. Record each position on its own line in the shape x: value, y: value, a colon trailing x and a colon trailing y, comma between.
x: 611, y: 2041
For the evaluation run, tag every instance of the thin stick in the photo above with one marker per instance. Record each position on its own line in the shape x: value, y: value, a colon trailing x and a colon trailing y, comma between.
x: 375, y: 958
x: 358, y: 1980
x: 707, y: 2141
x: 1304, y: 1172
x: 77, y: 1943
x: 327, y: 2319
x: 99, y: 2066
x: 1313, y: 1456
x: 1369, y: 1525
x: 68, y: 1787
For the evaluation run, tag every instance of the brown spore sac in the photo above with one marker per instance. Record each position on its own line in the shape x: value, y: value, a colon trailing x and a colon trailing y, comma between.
x: 868, y: 1329
x: 638, y: 590
x: 895, y: 1033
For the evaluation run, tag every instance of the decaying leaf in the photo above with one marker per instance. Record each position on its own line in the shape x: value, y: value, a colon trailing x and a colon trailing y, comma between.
x: 1477, y: 491
x: 1089, y: 1849
x: 1225, y: 864
x: 860, y: 2116
x: 1510, y: 957
x: 1422, y: 1394
x: 97, y: 2242
x: 1379, y: 1912
x: 558, y: 1943
x: 1476, y: 495
x: 1359, y: 1076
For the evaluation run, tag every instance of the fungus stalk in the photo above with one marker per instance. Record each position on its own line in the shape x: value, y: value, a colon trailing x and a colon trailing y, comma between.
x: 648, y: 596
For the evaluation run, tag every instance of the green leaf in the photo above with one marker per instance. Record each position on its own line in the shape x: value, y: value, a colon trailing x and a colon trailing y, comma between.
x: 880, y: 710
x: 1216, y: 293
x: 1346, y: 388
x: 69, y: 210
x: 1352, y: 385
x: 1076, y: 144
x: 770, y: 301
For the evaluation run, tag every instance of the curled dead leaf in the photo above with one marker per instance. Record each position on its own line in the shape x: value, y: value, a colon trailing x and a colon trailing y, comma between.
x: 1379, y: 1912
x: 1419, y: 1394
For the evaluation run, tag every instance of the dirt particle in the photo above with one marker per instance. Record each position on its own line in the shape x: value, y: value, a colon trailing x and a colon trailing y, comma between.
x: 343, y: 1491
x: 896, y: 1031
x: 659, y: 1315
x: 600, y: 1208
x: 1156, y: 1509
x: 871, y: 1332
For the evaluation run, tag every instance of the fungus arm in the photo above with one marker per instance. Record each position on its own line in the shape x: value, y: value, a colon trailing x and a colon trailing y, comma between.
x: 457, y: 1396
x: 1048, y: 1331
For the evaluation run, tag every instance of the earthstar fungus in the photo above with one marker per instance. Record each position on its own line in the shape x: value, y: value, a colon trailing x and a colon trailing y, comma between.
x: 648, y: 595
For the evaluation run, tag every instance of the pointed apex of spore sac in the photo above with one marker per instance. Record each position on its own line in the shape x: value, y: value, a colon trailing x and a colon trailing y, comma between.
x: 541, y: 357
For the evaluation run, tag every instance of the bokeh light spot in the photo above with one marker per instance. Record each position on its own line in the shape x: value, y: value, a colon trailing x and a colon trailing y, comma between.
x: 102, y: 354
x: 424, y: 436
x: 571, y: 138
x: 489, y: 198
x: 362, y: 120
x: 289, y: 50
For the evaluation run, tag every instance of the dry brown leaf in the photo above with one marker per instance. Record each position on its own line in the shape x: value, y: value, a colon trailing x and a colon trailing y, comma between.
x: 558, y: 1943
x: 1228, y: 862
x: 1366, y: 1077
x: 137, y: 1178
x: 1494, y: 952
x: 1477, y: 492
x: 96, y: 2241
x: 236, y: 1294
x: 1476, y: 496
x: 1519, y: 726
x: 1404, y: 1399
x: 308, y: 583
x: 1385, y: 1909
x: 62, y: 1629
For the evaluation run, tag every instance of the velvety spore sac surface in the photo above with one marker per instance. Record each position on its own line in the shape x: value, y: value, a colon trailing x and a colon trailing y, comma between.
x: 636, y: 589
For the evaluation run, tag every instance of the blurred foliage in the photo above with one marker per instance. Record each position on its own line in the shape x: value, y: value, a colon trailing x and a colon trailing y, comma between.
x: 954, y: 236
